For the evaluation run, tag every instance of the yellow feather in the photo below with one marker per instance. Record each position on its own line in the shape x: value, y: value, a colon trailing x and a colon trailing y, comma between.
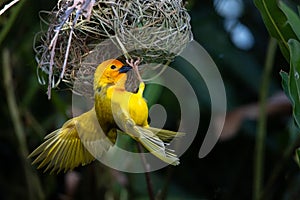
x: 65, y: 148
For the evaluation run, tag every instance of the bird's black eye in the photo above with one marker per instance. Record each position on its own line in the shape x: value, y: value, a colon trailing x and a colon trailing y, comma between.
x: 113, y: 67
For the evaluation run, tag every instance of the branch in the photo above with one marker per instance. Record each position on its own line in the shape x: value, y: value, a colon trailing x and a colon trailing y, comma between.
x: 147, y: 174
x: 7, y: 6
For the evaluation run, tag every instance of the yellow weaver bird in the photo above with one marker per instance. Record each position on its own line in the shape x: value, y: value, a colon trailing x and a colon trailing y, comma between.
x: 96, y: 130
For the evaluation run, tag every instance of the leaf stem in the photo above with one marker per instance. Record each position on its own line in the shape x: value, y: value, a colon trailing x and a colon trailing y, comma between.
x: 33, y: 184
x: 259, y: 151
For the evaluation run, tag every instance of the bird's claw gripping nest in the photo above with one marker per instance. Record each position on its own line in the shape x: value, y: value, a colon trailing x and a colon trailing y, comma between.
x: 135, y: 67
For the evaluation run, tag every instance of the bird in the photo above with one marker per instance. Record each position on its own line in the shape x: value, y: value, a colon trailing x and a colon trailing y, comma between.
x: 115, y: 110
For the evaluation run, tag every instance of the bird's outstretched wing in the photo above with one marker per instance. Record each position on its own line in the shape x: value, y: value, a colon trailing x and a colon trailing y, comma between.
x: 74, y: 144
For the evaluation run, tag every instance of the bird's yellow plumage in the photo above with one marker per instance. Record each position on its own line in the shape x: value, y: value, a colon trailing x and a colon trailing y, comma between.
x: 114, y: 109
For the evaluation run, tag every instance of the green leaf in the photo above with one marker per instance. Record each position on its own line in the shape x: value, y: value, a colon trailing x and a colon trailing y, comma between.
x: 294, y: 78
x: 276, y: 23
x: 293, y: 18
x: 285, y: 83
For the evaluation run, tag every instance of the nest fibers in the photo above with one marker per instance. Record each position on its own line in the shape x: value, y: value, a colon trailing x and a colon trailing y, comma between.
x: 83, y: 33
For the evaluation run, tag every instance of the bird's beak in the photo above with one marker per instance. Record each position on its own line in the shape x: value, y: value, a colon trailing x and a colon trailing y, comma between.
x: 125, y: 69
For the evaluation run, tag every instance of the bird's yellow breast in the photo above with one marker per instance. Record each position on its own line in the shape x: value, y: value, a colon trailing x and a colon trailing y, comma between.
x: 138, y: 110
x: 131, y: 103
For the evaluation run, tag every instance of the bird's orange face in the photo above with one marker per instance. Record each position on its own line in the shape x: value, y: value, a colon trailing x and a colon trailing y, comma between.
x: 110, y: 72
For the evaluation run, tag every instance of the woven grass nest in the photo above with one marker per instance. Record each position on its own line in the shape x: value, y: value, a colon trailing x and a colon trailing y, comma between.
x: 82, y: 33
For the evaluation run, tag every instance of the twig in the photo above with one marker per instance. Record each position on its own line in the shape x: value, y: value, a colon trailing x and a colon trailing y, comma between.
x: 259, y: 151
x: 33, y: 184
x: 52, y: 47
x: 82, y: 7
x: 80, y: 10
x: 147, y: 174
x: 7, y: 6
x: 10, y: 21
x: 164, y: 192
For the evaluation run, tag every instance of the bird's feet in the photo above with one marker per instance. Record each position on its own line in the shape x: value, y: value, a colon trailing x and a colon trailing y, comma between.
x: 135, y: 66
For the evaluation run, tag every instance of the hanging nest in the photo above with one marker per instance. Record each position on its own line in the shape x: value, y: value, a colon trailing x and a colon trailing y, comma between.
x: 83, y: 33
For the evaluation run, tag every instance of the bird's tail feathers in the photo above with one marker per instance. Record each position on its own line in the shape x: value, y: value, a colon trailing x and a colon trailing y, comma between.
x: 148, y: 138
x: 156, y: 146
x: 165, y: 135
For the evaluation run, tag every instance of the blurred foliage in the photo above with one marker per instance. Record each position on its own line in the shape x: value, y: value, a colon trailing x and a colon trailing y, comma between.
x: 283, y: 24
x: 226, y: 173
x: 276, y: 23
x: 291, y: 83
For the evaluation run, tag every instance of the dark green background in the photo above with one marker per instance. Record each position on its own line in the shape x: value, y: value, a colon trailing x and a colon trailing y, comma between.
x: 226, y: 173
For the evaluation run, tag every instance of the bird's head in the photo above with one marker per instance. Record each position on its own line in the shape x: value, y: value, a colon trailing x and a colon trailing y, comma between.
x: 110, y: 72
